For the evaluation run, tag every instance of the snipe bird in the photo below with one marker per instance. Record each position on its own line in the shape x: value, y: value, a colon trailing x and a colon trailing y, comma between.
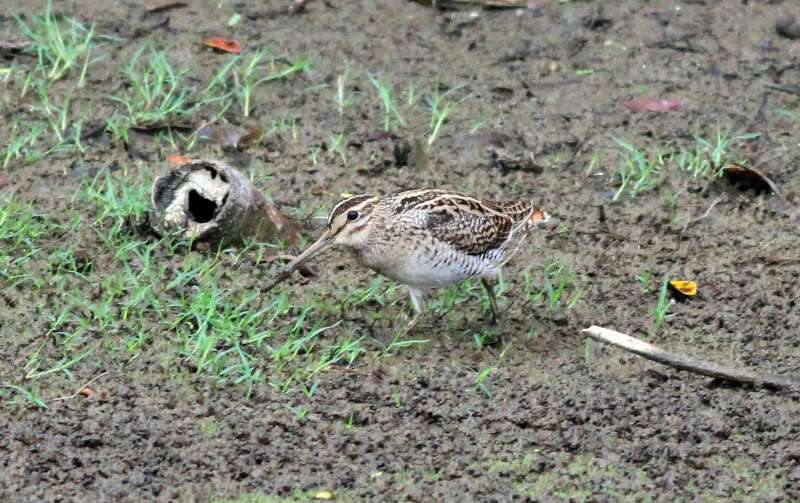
x: 426, y: 238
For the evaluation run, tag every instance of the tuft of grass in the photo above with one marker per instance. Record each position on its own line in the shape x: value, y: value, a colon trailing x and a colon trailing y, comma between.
x: 24, y: 395
x: 259, y: 68
x: 22, y: 142
x: 398, y: 343
x: 22, y: 234
x: 156, y: 95
x: 440, y: 106
x: 338, y: 144
x: 638, y: 171
x: 391, y: 111
x: 659, y: 311
x: 641, y: 170
x: 481, y: 378
x: 645, y: 279
x: 59, y: 47
x: 118, y: 202
x: 559, y: 289
x: 707, y: 158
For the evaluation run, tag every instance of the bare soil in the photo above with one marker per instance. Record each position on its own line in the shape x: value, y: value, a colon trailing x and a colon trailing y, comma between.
x: 560, y: 418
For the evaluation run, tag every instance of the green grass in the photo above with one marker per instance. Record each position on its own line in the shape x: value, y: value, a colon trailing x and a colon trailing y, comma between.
x: 643, y: 170
x: 391, y: 111
x: 559, y: 288
x: 661, y: 307
x: 708, y: 157
x: 24, y: 233
x: 56, y: 109
x: 20, y: 396
x: 639, y: 171
x: 756, y: 483
x: 440, y: 106
x: 407, y: 115
x: 249, y: 72
x: 58, y: 116
x: 156, y: 95
x: 60, y: 47
x: 159, y: 96
x: 22, y: 142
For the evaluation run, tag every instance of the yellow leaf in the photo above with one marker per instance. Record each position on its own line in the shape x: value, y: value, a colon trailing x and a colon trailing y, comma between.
x: 688, y: 288
x: 323, y: 495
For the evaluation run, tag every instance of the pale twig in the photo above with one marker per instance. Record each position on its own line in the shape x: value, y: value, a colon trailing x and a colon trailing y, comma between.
x: 681, y: 362
x: 78, y: 391
x: 704, y: 215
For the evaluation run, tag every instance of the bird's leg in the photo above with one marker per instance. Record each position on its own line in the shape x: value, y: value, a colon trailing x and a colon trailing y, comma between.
x: 492, y: 299
x: 418, y: 303
x: 498, y: 338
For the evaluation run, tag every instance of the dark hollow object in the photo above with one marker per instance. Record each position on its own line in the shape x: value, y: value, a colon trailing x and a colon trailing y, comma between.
x: 788, y: 27
x: 209, y: 201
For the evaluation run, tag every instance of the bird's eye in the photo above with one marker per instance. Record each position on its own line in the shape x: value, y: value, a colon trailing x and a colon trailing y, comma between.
x: 352, y: 215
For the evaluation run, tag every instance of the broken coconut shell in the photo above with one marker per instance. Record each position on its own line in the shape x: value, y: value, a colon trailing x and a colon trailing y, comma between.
x: 209, y: 201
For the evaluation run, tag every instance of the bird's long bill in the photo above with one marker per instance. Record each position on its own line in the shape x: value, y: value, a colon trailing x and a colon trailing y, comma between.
x: 312, y: 251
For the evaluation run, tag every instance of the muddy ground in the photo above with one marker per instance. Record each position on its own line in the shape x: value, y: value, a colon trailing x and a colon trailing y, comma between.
x: 557, y: 418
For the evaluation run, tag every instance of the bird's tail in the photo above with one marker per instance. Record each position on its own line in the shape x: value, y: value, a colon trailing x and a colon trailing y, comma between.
x: 539, y: 216
x: 536, y: 218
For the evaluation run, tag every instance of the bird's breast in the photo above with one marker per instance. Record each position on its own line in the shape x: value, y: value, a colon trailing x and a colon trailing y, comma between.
x: 426, y: 266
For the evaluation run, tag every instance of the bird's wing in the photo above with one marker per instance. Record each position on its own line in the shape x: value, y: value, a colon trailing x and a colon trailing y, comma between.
x: 468, y: 224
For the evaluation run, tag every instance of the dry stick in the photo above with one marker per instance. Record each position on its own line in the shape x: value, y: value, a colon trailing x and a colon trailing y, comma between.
x: 682, y: 362
x: 78, y: 392
x: 705, y: 215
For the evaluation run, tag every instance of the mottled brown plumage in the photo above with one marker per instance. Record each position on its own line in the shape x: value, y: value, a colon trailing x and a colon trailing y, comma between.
x: 427, y: 238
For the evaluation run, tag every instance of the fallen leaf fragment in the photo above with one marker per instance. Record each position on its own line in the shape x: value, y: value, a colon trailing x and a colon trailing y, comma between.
x: 163, y: 5
x: 749, y: 177
x: 178, y: 159
x: 323, y: 495
x: 655, y: 104
x: 87, y: 392
x: 224, y: 44
x: 686, y: 288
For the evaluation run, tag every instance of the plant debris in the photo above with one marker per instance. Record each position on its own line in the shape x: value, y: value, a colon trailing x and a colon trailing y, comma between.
x: 177, y: 159
x: 15, y: 45
x: 749, y: 178
x: 224, y: 44
x: 164, y: 5
x: 683, y: 288
x: 468, y: 4
x: 655, y: 104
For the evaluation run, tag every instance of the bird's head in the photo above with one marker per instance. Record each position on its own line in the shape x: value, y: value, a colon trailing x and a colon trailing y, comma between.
x: 348, y: 224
